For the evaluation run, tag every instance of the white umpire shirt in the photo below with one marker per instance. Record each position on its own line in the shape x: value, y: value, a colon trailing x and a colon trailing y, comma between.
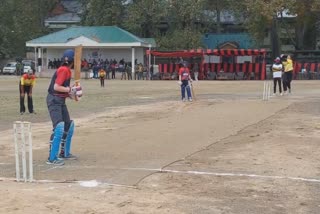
x: 277, y: 70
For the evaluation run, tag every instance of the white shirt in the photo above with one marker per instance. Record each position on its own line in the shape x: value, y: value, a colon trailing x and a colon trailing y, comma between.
x: 277, y: 70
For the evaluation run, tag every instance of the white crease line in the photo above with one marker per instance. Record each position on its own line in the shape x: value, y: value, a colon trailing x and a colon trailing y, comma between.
x: 72, y: 167
x: 228, y: 174
x: 144, y: 97
x: 67, y: 181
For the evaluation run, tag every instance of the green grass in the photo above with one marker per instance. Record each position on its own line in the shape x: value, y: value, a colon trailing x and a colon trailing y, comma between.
x: 96, y: 99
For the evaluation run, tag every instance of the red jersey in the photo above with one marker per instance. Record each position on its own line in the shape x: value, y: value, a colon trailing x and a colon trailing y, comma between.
x: 185, y: 73
x: 63, y: 74
x: 61, y: 77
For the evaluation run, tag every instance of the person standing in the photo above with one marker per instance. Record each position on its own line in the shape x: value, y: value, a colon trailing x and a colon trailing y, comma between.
x: 63, y: 127
x: 288, y: 72
x: 196, y: 71
x: 95, y: 70
x: 129, y: 71
x: 102, y: 76
x: 140, y: 71
x: 277, y: 69
x: 26, y: 84
x: 123, y: 72
x: 151, y: 72
x: 19, y: 68
x: 107, y: 69
x: 184, y: 78
x: 113, y: 70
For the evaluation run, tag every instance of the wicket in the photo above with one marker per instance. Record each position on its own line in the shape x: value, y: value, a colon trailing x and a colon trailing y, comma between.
x: 23, y: 145
x: 266, y: 90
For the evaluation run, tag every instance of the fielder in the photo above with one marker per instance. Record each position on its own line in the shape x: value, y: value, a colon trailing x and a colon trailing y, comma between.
x: 60, y: 89
x: 102, y: 74
x: 184, y: 78
x: 26, y: 85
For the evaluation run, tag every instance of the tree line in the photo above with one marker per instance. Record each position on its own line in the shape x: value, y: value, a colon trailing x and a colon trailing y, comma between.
x: 175, y: 24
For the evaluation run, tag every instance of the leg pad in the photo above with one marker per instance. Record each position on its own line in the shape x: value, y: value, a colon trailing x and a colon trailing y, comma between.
x: 55, y: 142
x: 66, y: 143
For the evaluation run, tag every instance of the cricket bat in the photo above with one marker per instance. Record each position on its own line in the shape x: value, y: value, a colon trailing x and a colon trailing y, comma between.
x: 192, y: 91
x: 77, y: 66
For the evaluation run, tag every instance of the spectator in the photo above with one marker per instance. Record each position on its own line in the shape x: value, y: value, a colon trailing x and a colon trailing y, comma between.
x: 129, y: 72
x: 151, y: 72
x: 50, y: 64
x: 140, y: 71
x: 196, y: 71
x: 95, y: 70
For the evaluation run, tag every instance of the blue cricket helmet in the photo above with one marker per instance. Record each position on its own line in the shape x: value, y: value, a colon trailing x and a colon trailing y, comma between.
x: 185, y: 64
x: 68, y: 54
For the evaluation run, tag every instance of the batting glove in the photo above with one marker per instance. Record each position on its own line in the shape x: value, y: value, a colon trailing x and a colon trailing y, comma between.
x: 76, y: 91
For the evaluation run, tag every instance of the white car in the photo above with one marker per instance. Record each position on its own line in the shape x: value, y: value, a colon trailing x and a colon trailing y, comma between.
x: 10, y: 68
x: 26, y: 68
x: 27, y: 65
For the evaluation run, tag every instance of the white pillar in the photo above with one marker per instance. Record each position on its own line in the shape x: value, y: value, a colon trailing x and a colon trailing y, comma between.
x: 132, y: 60
x: 35, y: 59
x: 149, y: 62
x: 42, y: 59
x: 39, y: 57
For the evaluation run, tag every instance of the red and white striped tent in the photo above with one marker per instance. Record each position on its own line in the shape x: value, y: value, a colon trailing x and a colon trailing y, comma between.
x: 252, y: 66
x: 235, y: 52
x: 259, y: 68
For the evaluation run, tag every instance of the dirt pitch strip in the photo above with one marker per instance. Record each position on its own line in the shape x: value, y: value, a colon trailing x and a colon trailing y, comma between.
x: 142, y: 150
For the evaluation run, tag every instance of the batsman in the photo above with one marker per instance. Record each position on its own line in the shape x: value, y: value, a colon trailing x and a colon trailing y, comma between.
x: 184, y: 78
x: 63, y: 127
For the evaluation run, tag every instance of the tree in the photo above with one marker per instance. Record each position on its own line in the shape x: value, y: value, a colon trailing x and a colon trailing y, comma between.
x: 216, y: 7
x: 186, y: 14
x: 304, y: 23
x: 102, y: 12
x: 21, y: 21
x: 144, y: 16
x: 185, y: 30
x: 6, y: 29
x: 180, y: 39
x: 182, y: 20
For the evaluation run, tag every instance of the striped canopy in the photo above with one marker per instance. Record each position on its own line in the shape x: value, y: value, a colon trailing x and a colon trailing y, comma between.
x: 174, y: 53
x: 235, y: 52
x: 216, y: 52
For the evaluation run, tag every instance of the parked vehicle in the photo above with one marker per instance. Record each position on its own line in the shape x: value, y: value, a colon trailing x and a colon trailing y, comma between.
x: 10, y: 68
x: 27, y: 65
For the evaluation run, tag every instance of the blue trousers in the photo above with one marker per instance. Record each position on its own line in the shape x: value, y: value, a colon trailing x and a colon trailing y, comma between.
x: 185, y: 86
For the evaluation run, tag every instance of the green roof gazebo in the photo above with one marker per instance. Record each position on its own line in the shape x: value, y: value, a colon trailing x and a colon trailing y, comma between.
x: 104, y: 42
